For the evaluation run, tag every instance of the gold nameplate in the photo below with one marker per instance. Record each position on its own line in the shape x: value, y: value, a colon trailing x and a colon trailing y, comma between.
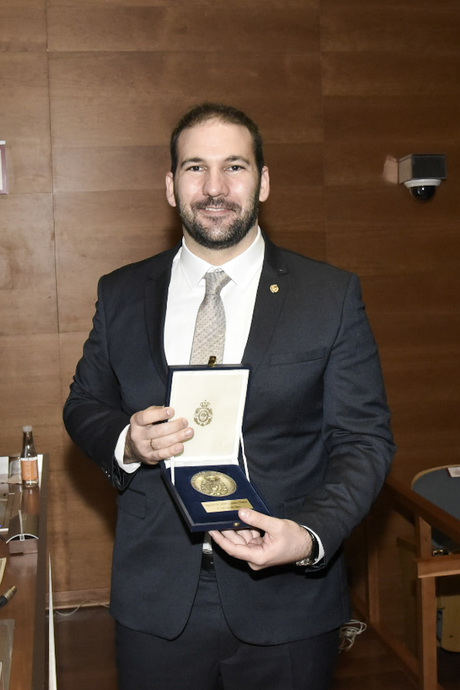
x: 222, y: 506
x: 212, y: 483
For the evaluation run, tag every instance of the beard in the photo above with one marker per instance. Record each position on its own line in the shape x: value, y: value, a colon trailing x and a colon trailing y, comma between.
x: 219, y: 233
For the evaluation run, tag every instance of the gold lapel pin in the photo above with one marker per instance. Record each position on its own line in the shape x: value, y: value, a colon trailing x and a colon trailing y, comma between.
x: 274, y: 288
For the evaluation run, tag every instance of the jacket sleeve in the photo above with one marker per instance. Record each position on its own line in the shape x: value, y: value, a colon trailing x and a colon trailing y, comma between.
x: 93, y: 413
x: 356, y: 430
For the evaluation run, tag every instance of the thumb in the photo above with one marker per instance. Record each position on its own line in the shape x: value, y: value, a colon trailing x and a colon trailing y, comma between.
x: 256, y: 519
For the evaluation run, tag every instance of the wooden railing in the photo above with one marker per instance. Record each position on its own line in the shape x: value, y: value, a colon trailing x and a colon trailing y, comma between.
x: 424, y: 515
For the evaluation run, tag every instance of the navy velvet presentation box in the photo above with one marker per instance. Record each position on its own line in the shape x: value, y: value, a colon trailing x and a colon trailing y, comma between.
x: 206, y: 481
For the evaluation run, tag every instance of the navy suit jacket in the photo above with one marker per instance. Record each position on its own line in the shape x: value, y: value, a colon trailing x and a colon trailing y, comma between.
x: 317, y: 438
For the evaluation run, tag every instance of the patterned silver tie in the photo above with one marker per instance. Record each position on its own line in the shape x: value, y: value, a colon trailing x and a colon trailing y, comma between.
x: 209, y: 336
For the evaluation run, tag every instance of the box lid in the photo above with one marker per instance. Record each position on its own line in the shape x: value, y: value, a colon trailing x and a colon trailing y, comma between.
x: 212, y: 399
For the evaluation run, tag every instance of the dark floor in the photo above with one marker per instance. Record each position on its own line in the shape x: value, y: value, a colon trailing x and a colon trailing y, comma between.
x: 85, y: 658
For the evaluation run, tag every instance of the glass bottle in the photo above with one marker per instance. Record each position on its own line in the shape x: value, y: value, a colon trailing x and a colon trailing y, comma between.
x: 29, y: 460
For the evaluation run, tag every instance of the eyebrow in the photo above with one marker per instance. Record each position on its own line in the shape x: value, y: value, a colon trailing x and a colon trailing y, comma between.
x: 229, y: 159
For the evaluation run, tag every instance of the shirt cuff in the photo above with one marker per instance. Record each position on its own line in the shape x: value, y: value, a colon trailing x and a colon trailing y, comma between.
x: 320, y: 545
x: 120, y: 453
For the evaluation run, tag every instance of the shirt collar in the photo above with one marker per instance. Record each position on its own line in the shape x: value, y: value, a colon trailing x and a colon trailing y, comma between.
x: 241, y: 269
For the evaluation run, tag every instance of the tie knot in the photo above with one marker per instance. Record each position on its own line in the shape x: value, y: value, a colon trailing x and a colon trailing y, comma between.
x: 215, y: 281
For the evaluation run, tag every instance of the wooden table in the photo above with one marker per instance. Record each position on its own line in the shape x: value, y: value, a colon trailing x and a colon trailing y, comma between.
x: 27, y: 608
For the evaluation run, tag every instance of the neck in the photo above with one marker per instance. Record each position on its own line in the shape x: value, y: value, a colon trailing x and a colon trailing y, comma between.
x: 218, y: 257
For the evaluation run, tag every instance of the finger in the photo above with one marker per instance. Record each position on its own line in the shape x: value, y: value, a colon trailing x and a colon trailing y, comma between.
x: 157, y: 431
x: 255, y: 533
x: 229, y: 542
x: 240, y: 536
x: 233, y: 536
x: 163, y: 452
x: 152, y: 415
x: 159, y: 443
x: 266, y: 523
x: 158, y: 440
x: 245, y: 552
x: 250, y: 536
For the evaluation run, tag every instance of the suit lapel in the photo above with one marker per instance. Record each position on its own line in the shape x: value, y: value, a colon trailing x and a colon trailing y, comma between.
x: 156, y: 297
x: 271, y: 296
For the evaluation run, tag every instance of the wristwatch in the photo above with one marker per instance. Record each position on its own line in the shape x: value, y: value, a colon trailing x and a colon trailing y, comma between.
x: 311, y: 559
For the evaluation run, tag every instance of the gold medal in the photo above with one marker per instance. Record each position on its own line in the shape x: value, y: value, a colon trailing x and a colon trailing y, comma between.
x: 212, y: 483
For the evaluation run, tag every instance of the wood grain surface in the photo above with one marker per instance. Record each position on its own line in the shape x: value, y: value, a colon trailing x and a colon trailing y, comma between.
x: 90, y: 90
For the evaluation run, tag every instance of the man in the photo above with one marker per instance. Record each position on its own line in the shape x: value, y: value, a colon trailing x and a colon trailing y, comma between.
x: 264, y: 610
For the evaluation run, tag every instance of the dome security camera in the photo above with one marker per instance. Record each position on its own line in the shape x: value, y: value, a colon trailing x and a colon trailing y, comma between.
x: 422, y: 190
x: 422, y: 173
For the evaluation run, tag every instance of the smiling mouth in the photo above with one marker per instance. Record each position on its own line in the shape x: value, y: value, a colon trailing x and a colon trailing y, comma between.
x: 216, y: 209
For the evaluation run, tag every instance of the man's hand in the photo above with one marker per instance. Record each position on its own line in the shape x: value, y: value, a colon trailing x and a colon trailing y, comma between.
x: 152, y: 438
x: 284, y: 541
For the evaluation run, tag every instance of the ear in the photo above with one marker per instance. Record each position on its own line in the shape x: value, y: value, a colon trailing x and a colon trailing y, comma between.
x: 264, y: 184
x: 170, y: 189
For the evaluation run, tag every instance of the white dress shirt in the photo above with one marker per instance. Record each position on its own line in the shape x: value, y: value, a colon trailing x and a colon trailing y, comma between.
x: 186, y: 292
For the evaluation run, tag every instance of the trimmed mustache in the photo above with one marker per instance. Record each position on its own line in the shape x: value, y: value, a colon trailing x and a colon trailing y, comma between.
x: 215, y: 203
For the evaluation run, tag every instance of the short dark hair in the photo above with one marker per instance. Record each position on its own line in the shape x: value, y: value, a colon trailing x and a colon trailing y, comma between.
x: 226, y: 113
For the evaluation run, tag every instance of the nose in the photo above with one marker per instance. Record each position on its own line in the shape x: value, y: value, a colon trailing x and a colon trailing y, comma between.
x: 215, y: 184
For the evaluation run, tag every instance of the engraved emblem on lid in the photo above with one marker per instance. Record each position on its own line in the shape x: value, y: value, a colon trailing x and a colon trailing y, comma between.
x: 203, y: 414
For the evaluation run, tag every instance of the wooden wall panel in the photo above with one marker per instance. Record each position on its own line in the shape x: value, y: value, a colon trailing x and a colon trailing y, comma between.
x: 293, y: 217
x: 27, y: 278
x: 22, y: 25
x: 24, y: 118
x: 100, y: 232
x: 29, y: 388
x: 293, y: 213
x: 336, y: 86
x: 392, y: 120
x: 125, y: 99
x: 390, y: 74
x: 81, y: 532
x: 87, y: 169
x: 398, y: 27
x: 297, y: 164
x: 396, y: 250
x: 441, y: 328
x: 389, y: 84
x: 82, y: 509
x: 189, y: 27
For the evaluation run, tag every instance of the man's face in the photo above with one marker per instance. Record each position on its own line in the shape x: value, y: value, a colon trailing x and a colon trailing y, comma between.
x: 217, y: 187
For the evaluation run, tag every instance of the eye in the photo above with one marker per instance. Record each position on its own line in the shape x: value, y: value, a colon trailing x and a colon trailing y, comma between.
x: 235, y: 167
x: 194, y: 168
